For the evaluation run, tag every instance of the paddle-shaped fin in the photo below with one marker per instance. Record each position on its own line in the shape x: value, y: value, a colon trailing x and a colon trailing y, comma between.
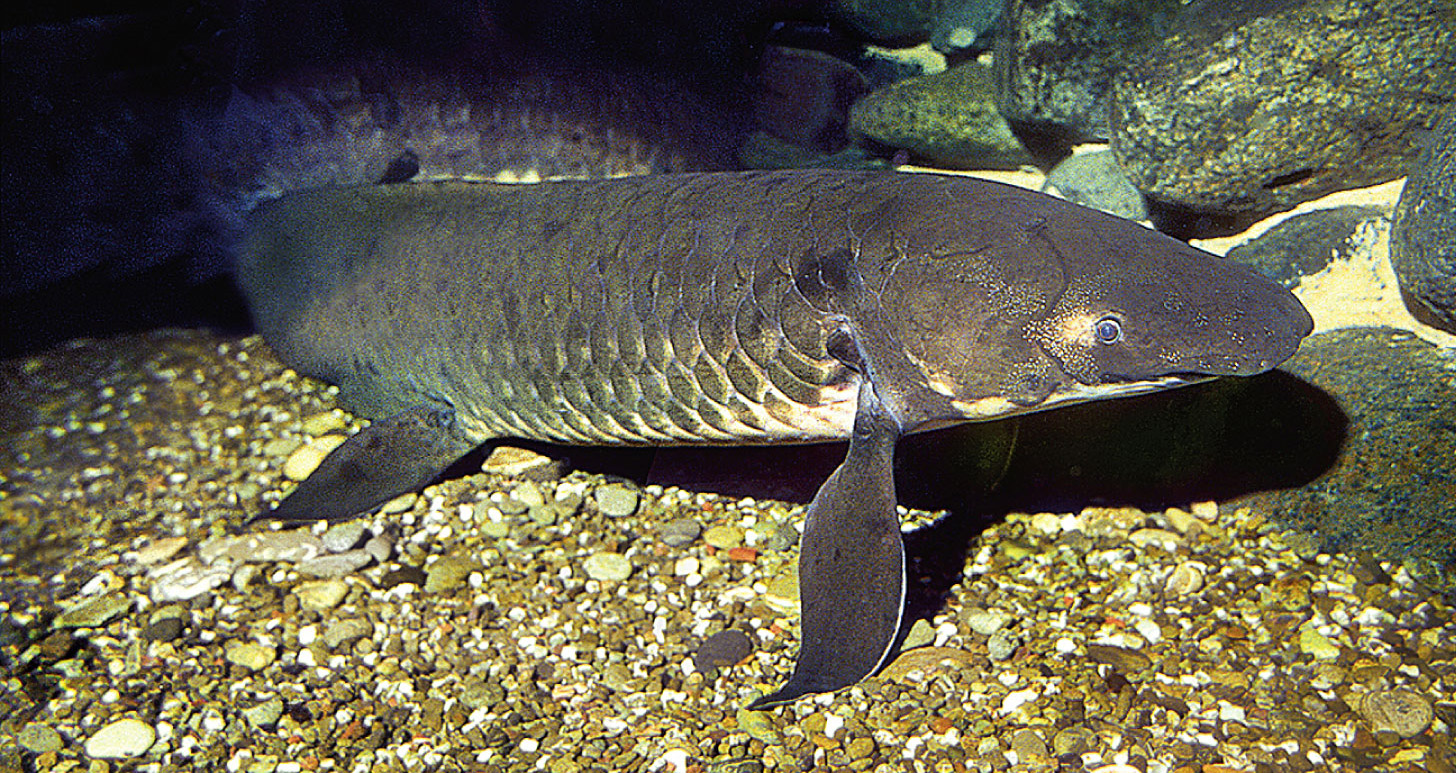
x: 851, y: 564
x: 387, y: 458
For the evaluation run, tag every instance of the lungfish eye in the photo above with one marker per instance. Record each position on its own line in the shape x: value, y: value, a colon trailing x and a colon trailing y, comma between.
x: 1108, y: 330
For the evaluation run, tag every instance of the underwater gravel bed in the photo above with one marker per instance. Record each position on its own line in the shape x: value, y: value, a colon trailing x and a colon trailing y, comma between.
x: 495, y: 623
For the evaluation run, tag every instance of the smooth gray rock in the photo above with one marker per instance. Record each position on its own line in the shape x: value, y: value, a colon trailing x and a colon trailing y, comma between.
x: 722, y: 650
x: 617, y: 500
x: 1095, y: 180
x: 886, y: 21
x: 679, y: 532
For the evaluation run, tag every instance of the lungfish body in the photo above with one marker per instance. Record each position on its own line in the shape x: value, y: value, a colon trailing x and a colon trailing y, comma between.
x: 734, y: 308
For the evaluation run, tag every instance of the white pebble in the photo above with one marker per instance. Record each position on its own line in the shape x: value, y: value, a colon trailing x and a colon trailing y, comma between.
x: 120, y: 739
x: 1149, y: 630
x: 832, y: 724
x: 1016, y: 700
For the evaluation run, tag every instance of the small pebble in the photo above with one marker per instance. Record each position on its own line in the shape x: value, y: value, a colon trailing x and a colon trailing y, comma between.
x: 724, y: 537
x: 323, y: 423
x: 617, y: 500
x: 120, y: 739
x: 1001, y: 645
x: 321, y: 595
x: 186, y: 579
x: 527, y: 494
x: 380, y: 546
x: 1027, y: 743
x: 759, y: 726
x: 605, y: 566
x: 164, y: 629
x: 449, y: 573
x: 1182, y: 521
x: 266, y: 713
x: 159, y: 550
x: 38, y: 738
x: 1317, y: 645
x: 543, y: 515
x: 1121, y: 658
x: 343, y: 536
x: 860, y: 747
x: 567, y: 503
x: 400, y: 504
x: 1186, y: 578
x: 986, y: 622
x: 1163, y: 538
x: 1208, y: 511
x: 722, y: 650
x: 93, y: 613
x: 679, y: 532
x: 1402, y: 711
x: 783, y: 537
x: 1073, y: 740
x: 520, y: 463
x: 783, y: 590
x: 254, y: 656
x: 338, y: 633
x: 921, y: 634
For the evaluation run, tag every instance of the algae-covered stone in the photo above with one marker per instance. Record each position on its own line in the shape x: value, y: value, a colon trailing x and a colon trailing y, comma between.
x: 39, y: 738
x: 1056, y: 61
x: 1256, y: 107
x: 448, y: 573
x: 948, y: 118
x: 94, y: 612
x: 264, y: 713
x: 1423, y: 236
x: 1383, y: 454
x: 251, y: 655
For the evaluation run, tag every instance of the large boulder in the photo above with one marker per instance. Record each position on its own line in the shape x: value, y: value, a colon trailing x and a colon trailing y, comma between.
x: 1254, y: 106
x: 1423, y: 237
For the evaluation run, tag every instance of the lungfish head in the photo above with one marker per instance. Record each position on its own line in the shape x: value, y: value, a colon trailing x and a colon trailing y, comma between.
x: 1014, y: 302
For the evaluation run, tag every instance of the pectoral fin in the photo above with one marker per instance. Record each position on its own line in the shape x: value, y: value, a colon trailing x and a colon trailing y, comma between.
x: 851, y: 564
x: 388, y: 458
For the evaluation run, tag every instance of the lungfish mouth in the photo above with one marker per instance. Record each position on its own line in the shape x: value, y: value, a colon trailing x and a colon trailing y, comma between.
x: 1070, y: 393
x: 1114, y: 387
